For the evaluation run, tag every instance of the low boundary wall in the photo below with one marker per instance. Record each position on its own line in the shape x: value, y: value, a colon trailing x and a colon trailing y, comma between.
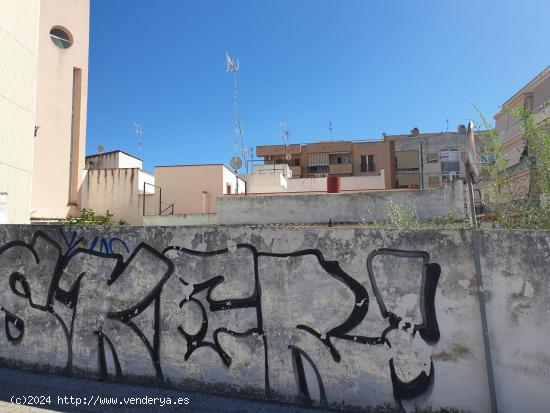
x: 349, y: 318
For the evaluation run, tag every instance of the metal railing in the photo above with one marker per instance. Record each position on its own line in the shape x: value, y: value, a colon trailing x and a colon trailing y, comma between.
x: 161, y: 210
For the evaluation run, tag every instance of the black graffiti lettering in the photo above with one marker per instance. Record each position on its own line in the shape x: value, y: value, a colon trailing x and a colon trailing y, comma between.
x: 12, y: 322
x: 68, y: 281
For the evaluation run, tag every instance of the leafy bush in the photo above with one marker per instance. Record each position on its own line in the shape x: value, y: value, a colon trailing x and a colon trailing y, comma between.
x: 88, y: 218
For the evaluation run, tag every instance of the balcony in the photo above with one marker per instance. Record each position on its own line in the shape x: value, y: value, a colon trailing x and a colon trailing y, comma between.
x: 340, y: 169
x: 318, y: 169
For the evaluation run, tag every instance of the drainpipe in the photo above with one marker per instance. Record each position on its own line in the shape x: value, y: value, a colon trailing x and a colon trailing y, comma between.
x: 481, y: 293
x: 204, y: 204
x: 421, y: 167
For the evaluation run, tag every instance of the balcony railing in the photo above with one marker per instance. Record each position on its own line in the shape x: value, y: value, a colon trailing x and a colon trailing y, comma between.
x: 318, y: 169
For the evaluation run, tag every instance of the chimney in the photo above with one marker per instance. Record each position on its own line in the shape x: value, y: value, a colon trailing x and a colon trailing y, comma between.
x: 415, y: 131
x: 462, y: 129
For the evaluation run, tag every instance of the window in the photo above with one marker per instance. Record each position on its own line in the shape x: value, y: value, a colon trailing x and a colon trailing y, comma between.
x: 228, y: 189
x: 61, y: 38
x: 528, y: 103
x: 433, y: 181
x: 296, y: 162
x: 343, y: 159
x: 449, y: 161
x: 367, y: 163
x: 75, y: 146
x: 433, y: 157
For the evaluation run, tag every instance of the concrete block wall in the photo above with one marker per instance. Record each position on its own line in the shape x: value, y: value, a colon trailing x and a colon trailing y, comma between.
x: 342, y: 207
x: 350, y: 318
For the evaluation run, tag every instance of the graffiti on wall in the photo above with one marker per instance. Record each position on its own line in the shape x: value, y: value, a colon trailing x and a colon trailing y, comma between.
x: 110, y: 318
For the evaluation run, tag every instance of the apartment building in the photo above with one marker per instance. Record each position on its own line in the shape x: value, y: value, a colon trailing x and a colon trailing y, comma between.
x: 19, y: 22
x: 534, y: 96
x: 334, y: 158
x: 426, y: 160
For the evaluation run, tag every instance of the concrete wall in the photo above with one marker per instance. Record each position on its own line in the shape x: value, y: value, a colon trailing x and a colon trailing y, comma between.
x: 19, y: 22
x: 342, y: 207
x: 115, y: 190
x: 59, y: 147
x: 266, y: 183
x: 351, y: 318
x: 181, y: 220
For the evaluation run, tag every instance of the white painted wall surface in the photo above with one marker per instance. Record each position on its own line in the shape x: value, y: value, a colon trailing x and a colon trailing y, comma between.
x: 19, y: 25
x: 146, y: 177
x: 355, y: 183
x: 266, y: 183
x: 307, y: 185
x: 127, y: 161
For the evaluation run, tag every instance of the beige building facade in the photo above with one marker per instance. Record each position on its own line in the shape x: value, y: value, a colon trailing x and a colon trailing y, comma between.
x: 534, y: 96
x: 192, y: 189
x: 61, y: 104
x: 19, y: 27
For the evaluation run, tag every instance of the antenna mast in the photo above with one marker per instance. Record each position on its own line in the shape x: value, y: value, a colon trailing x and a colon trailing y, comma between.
x: 139, y: 132
x: 233, y: 67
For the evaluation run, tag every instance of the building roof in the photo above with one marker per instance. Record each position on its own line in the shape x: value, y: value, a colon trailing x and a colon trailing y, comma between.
x: 111, y: 152
x: 525, y: 89
x: 419, y: 136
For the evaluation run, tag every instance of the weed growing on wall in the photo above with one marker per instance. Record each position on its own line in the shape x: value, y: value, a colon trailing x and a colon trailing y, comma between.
x: 88, y: 218
x: 401, y: 216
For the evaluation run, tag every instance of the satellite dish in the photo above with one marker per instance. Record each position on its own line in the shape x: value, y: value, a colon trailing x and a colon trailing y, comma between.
x: 101, y: 149
x: 236, y: 163
x: 288, y: 157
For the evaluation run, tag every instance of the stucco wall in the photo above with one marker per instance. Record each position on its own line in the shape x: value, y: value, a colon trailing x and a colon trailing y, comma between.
x: 19, y: 22
x: 353, y: 318
x: 342, y: 207
x: 54, y: 177
x: 115, y: 190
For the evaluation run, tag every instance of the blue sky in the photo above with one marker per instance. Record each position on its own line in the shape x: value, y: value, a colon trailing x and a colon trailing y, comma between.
x: 367, y: 66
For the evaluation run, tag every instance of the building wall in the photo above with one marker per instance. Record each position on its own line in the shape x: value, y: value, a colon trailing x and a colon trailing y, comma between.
x: 115, y: 190
x: 183, y: 186
x: 56, y: 184
x: 384, y: 155
x: 287, y: 308
x: 19, y: 23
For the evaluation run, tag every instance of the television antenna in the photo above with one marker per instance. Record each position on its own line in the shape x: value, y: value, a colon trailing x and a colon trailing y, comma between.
x: 284, y: 140
x: 232, y: 67
x: 139, y: 132
x: 330, y: 129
